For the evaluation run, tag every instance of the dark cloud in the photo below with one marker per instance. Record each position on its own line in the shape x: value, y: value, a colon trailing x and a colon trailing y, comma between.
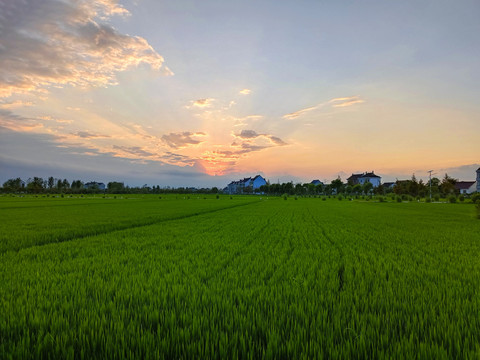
x: 89, y: 135
x: 277, y: 140
x: 248, y: 134
x: 180, y: 140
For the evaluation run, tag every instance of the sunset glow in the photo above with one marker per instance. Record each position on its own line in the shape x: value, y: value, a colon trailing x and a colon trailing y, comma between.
x: 174, y: 94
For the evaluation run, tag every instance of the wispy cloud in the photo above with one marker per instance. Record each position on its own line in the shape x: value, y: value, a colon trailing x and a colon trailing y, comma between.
x: 11, y: 121
x: 178, y: 159
x: 245, y: 91
x: 299, y: 113
x: 132, y: 150
x: 55, y: 43
x: 336, y: 102
x: 15, y: 104
x: 346, y: 101
x: 183, y: 139
x: 89, y: 135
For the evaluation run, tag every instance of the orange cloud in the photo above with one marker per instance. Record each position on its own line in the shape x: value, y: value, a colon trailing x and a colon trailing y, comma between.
x: 203, y: 103
x: 82, y: 48
x: 298, y: 113
x: 245, y: 91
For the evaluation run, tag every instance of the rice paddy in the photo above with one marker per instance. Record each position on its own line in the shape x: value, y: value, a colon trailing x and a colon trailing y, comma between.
x: 237, y: 277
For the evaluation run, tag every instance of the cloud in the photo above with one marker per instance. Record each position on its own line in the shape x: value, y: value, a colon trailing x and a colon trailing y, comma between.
x: 245, y: 91
x: 178, y: 159
x: 181, y: 140
x: 11, y: 121
x: 277, y: 140
x: 15, y: 104
x: 248, y: 134
x: 336, y: 102
x: 132, y: 150
x: 298, y: 113
x: 56, y: 43
x: 203, y: 103
x: 346, y: 101
x: 89, y: 135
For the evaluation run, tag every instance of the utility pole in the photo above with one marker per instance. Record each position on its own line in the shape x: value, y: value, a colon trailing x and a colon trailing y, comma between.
x: 430, y: 172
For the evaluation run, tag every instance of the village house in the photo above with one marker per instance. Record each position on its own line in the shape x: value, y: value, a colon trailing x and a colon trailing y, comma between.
x: 361, y: 179
x: 242, y: 186
x: 465, y: 187
x: 388, y: 185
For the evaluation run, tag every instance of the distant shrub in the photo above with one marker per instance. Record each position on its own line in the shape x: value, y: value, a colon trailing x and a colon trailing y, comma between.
x: 217, y: 197
x: 381, y: 199
x: 62, y: 195
x: 340, y: 197
x: 452, y: 199
x: 324, y: 198
x: 285, y: 196
x: 398, y: 199
x: 478, y: 210
x: 296, y: 198
x: 461, y: 198
x: 231, y: 198
x: 428, y: 200
x: 436, y: 197
x: 476, y: 198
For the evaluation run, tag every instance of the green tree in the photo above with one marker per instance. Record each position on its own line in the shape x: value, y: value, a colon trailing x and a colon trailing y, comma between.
x: 367, y: 187
x: 448, y: 185
x: 115, y: 187
x: 13, y: 185
x: 51, y: 182
x: 35, y: 185
x: 337, y: 185
x: 357, y: 189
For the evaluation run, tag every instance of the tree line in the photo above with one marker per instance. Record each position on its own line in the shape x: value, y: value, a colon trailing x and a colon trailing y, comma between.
x: 411, y: 187
x: 51, y: 185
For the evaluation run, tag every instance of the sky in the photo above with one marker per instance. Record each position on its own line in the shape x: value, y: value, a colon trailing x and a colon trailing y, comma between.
x: 200, y: 93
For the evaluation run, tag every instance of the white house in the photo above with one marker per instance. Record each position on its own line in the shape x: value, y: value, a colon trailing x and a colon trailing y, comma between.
x: 466, y: 187
x: 238, y: 187
x: 361, y: 179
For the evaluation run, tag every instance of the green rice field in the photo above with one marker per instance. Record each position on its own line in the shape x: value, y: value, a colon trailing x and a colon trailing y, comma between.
x: 200, y: 277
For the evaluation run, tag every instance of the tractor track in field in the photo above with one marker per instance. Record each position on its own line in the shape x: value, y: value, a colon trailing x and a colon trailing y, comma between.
x: 100, y: 231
